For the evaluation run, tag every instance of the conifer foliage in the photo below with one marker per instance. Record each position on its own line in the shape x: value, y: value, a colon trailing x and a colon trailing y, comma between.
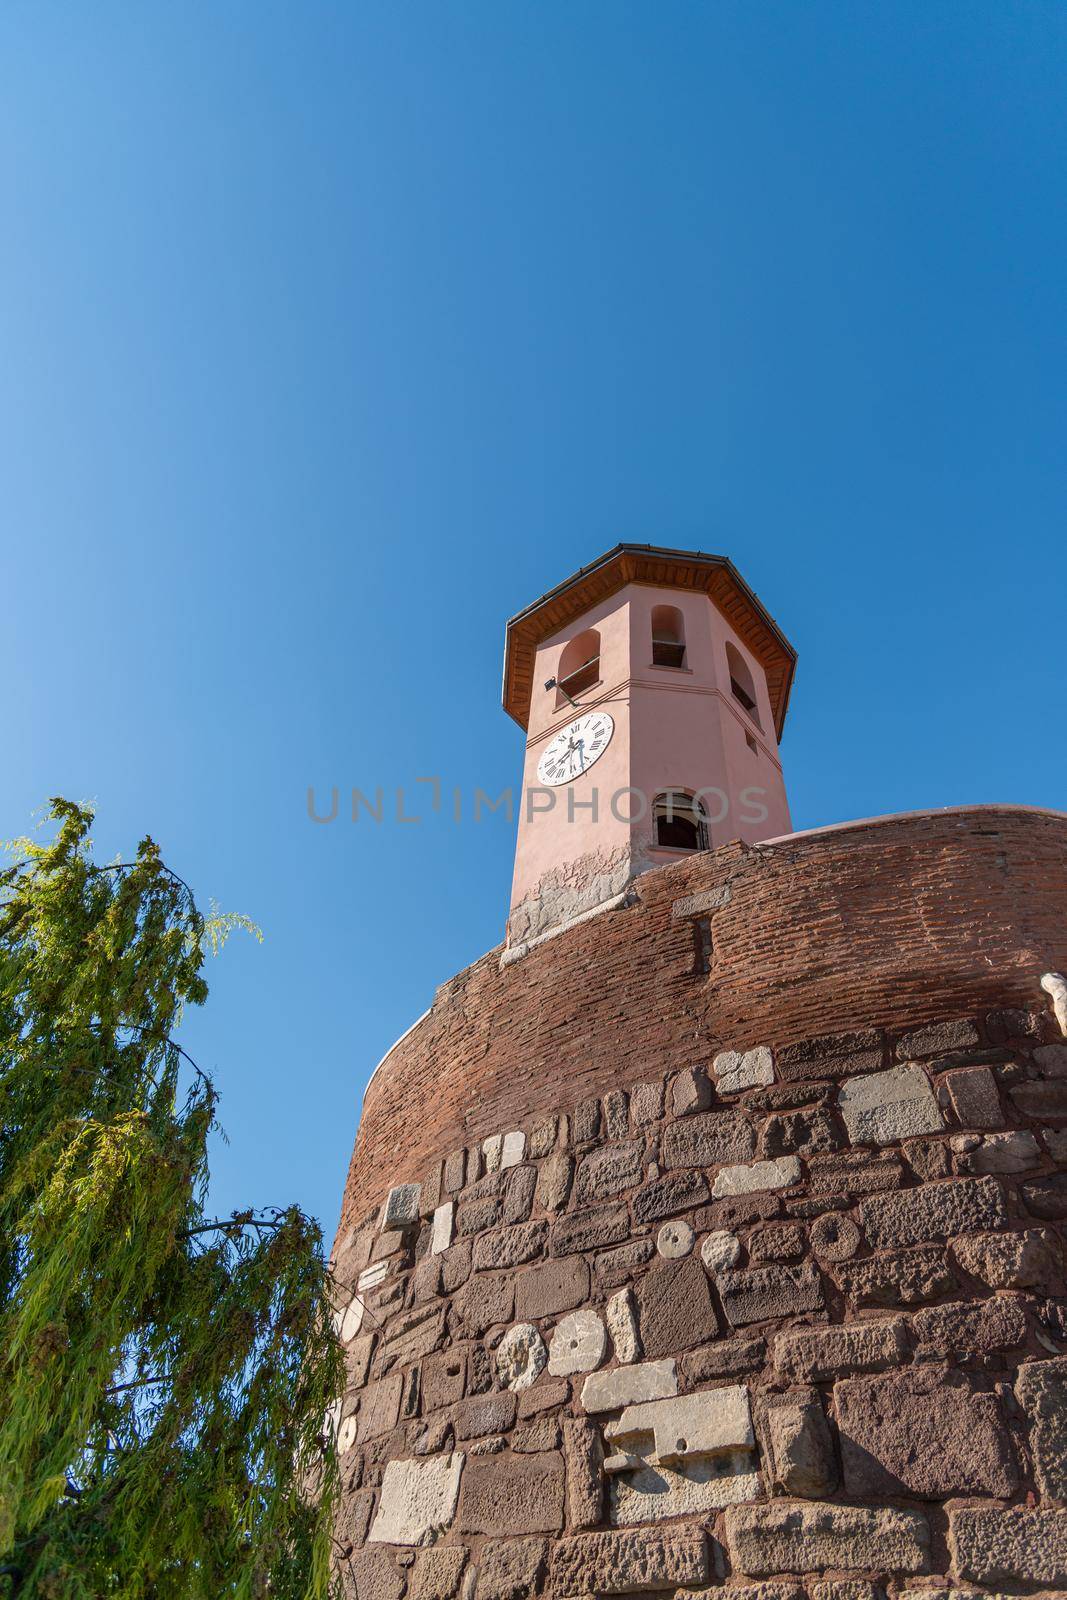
x: 164, y: 1375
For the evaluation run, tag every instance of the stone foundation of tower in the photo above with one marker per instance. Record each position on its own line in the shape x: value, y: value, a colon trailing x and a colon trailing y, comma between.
x: 717, y: 1243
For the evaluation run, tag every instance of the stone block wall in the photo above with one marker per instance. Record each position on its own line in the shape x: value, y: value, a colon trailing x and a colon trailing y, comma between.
x: 787, y: 1321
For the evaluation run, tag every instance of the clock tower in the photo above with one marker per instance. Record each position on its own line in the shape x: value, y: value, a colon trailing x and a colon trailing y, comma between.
x: 652, y: 687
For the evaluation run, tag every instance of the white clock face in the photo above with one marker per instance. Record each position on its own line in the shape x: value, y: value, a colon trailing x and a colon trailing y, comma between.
x: 575, y: 748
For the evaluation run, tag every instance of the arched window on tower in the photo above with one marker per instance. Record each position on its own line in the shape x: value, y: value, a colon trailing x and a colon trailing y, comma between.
x: 579, y: 665
x: 679, y: 821
x: 742, y: 684
x: 668, y: 637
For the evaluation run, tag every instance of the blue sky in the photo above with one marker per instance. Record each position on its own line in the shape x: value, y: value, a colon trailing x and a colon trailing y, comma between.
x: 331, y: 335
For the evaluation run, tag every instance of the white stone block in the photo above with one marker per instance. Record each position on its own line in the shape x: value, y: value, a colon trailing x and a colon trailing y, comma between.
x: 753, y: 1176
x: 623, y: 1386
x: 621, y: 1316
x: 1055, y: 985
x: 346, y: 1434
x: 372, y: 1276
x: 882, y: 1107
x: 700, y: 1486
x: 579, y: 1344
x: 418, y: 1500
x: 352, y: 1320
x: 441, y: 1227
x: 666, y: 1432
x: 743, y: 1069
x: 492, y: 1151
x: 513, y: 1149
x: 720, y: 1251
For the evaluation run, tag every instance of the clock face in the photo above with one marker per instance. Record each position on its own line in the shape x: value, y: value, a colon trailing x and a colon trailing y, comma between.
x: 575, y: 748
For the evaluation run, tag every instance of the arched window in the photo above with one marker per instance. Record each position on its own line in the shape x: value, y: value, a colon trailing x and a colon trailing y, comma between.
x: 741, y: 682
x: 679, y: 821
x: 668, y: 637
x: 579, y: 665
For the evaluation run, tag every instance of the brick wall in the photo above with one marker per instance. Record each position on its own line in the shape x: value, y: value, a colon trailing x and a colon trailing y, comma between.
x: 749, y: 1279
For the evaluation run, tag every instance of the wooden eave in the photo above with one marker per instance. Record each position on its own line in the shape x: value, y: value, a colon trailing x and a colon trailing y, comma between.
x: 712, y: 575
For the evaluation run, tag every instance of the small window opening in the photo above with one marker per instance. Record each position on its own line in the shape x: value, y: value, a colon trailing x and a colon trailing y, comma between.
x: 579, y: 666
x: 742, y: 684
x: 679, y: 821
x: 668, y: 637
x: 702, y: 945
x: 752, y: 745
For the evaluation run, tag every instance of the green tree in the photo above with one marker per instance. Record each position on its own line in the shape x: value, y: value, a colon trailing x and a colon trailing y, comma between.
x: 164, y: 1375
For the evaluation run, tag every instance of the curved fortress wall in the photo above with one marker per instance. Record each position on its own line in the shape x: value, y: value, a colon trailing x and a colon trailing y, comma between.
x: 718, y: 1242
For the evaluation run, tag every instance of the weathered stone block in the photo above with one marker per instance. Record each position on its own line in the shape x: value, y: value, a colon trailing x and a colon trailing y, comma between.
x: 624, y: 1386
x: 436, y: 1573
x: 694, y: 1488
x: 542, y: 1139
x: 444, y: 1379
x: 620, y: 1313
x: 413, y: 1334
x: 748, y: 1178
x: 666, y: 1432
x: 609, y: 1171
x: 759, y: 1293
x: 992, y: 1545
x: 1030, y: 1259
x: 707, y: 1139
x: 972, y: 1094
x: 578, y: 1344
x: 510, y: 1569
x: 483, y: 1301
x: 1047, y: 1197
x: 1017, y: 1151
x: 352, y: 1519
x: 779, y: 1241
x: 805, y: 1536
x: 690, y: 1092
x: 928, y: 1159
x: 736, y: 1070
x: 646, y: 1103
x: 548, y: 1395
x: 977, y: 1327
x: 1042, y: 1390
x: 372, y: 1575
x: 726, y: 1358
x: 895, y: 1277
x: 441, y: 1227
x: 810, y: 1132
x: 935, y: 1211
x: 720, y: 1251
x: 583, y: 1454
x: 832, y: 1055
x: 612, y: 1267
x: 455, y: 1172
x: 379, y: 1408
x: 884, y: 1107
x: 615, y: 1111
x: 456, y: 1266
x: 802, y: 1451
x: 472, y: 1216
x: 401, y: 1208
x: 509, y: 1247
x: 513, y: 1149
x: 554, y: 1181
x: 815, y: 1354
x: 483, y: 1414
x: 922, y: 1432
x: 519, y: 1194
x: 629, y: 1562
x: 589, y: 1229
x: 553, y: 1286
x: 512, y: 1495
x: 520, y: 1357
x: 676, y: 1310
x: 855, y: 1172
x: 678, y: 1191
x: 1044, y: 1099
x: 937, y: 1039
x: 585, y: 1121
x: 418, y: 1500
x: 529, y: 1438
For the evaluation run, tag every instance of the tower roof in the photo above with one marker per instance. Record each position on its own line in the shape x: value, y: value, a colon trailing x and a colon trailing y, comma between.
x: 714, y: 576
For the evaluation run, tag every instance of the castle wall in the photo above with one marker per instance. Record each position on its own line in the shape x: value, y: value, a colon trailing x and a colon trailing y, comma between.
x: 748, y: 1278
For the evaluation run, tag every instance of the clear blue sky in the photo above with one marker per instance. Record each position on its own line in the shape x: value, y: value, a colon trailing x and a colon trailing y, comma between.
x: 332, y: 334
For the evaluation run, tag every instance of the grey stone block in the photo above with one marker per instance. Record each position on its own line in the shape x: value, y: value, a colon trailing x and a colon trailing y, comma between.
x: 884, y: 1107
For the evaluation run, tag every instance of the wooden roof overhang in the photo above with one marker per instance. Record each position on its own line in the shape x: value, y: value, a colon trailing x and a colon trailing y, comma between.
x: 714, y: 576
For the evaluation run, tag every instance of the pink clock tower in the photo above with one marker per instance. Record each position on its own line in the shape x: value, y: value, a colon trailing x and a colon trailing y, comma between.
x: 653, y: 687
